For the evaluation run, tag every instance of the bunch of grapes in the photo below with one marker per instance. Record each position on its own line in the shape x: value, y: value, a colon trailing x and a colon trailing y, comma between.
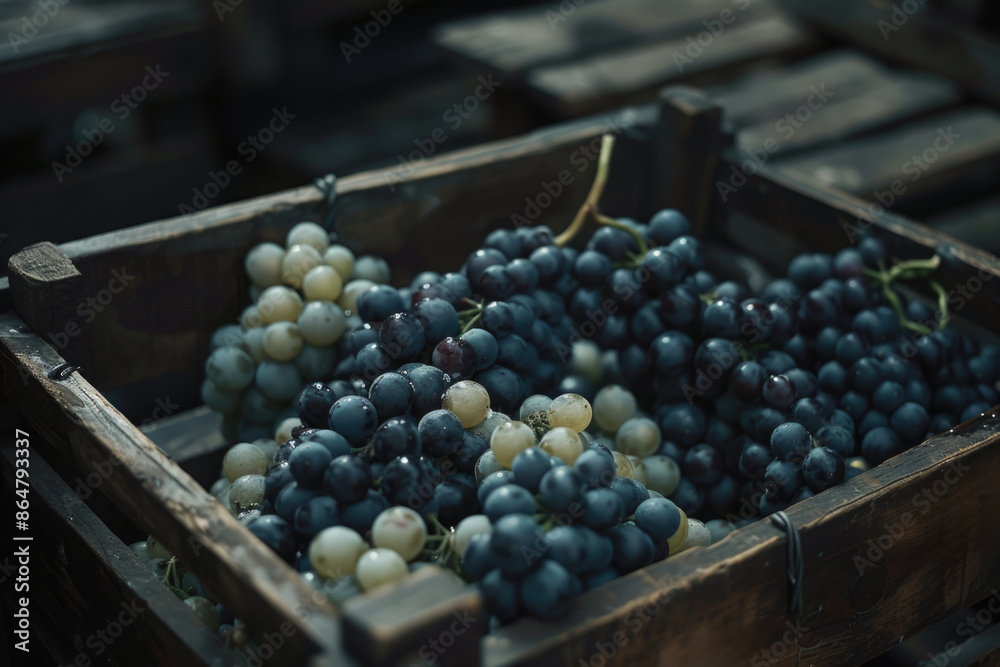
x: 683, y: 406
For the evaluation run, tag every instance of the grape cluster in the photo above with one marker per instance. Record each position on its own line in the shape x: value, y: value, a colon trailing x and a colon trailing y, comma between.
x: 683, y: 406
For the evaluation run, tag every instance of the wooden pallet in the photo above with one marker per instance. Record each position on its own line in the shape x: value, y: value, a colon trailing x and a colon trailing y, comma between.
x: 725, y: 604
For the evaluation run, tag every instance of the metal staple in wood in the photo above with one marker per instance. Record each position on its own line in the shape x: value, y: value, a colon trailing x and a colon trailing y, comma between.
x: 795, y: 562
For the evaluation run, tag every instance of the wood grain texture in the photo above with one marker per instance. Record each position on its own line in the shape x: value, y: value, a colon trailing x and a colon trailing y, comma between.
x: 727, y: 604
x: 161, y: 499
x: 909, y: 155
x: 513, y: 42
x: 633, y: 74
x: 430, y: 615
x: 82, y: 574
x: 927, y: 39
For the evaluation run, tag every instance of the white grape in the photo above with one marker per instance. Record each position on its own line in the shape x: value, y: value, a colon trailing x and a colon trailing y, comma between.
x: 533, y: 404
x: 585, y: 360
x: 487, y: 465
x: 253, y: 343
x: 322, y: 283
x: 400, y: 529
x: 570, y: 410
x: 335, y: 551
x: 562, y: 443
x: 243, y: 459
x: 377, y: 567
x: 375, y: 269
x: 284, y: 431
x: 298, y: 261
x: 469, y: 401
x: 282, y: 341
x: 613, y: 406
x: 638, y: 469
x: 623, y: 465
x: 510, y: 439
x: 638, y: 436
x: 698, y: 535
x: 485, y: 428
x: 308, y: 233
x: 322, y: 323
x: 267, y: 445
x: 341, y: 259
x: 263, y: 265
x: 352, y: 292
x: 279, y: 304
x: 662, y: 474
x: 251, y: 317
x: 230, y: 369
x: 466, y: 528
x: 156, y: 549
x: 246, y: 493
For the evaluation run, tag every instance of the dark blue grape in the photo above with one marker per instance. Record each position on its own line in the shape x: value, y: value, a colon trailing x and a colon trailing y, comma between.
x: 308, y: 462
x: 747, y: 380
x: 682, y: 423
x: 276, y: 478
x: 438, y: 318
x: 395, y: 437
x: 478, y: 557
x: 503, y: 386
x: 823, y: 468
x: 484, y: 346
x: 667, y: 225
x: 508, y: 499
x: 496, y: 283
x: 506, y: 241
x: 291, y: 498
x: 568, y: 547
x: 319, y: 513
x: 391, y: 394
x: 910, y: 421
x: 480, y: 260
x: 560, y: 489
x: 809, y: 270
x: 524, y: 275
x: 429, y: 384
x: 354, y: 417
x: 333, y: 441
x: 529, y: 467
x: 782, y: 479
x: 659, y: 518
x: 631, y: 492
x: 754, y: 460
x: 702, y: 465
x: 680, y: 307
x: 441, y: 433
x: 723, y: 318
x: 492, y: 482
x: 660, y: 269
x: 347, y: 479
x: 688, y: 250
x: 779, y: 392
x: 633, y: 548
x: 501, y: 595
x: 517, y: 544
x: 379, y: 302
x: 592, y: 268
x: 602, y: 508
x: 455, y: 501
x: 811, y: 413
x: 671, y: 353
x: 276, y: 533
x: 837, y: 438
x: 314, y: 404
x: 790, y: 442
x: 596, y: 467
x: 550, y: 263
x: 880, y: 444
x: 549, y: 591
x: 614, y: 243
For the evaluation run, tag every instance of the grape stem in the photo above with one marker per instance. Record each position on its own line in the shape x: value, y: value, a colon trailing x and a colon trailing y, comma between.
x: 909, y: 270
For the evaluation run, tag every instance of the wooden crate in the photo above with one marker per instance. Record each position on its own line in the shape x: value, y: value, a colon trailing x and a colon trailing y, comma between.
x: 721, y: 605
x: 565, y: 60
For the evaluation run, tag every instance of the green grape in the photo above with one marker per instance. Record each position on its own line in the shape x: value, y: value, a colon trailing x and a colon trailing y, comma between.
x: 263, y: 265
x: 278, y: 304
x: 377, y: 567
x: 298, y: 261
x: 335, y: 551
x: 243, y: 459
x: 341, y: 259
x: 246, y: 493
x: 308, y: 233
x: 322, y: 283
x: 613, y: 406
x: 230, y: 369
x: 282, y: 341
x: 469, y: 401
x: 510, y: 439
x: 563, y: 443
x: 638, y: 436
x: 570, y: 410
x: 322, y: 323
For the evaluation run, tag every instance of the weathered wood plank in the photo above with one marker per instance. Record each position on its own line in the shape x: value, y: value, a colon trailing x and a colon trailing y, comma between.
x: 823, y: 115
x: 82, y: 574
x: 633, y: 74
x: 513, y: 42
x: 431, y: 613
x: 921, y: 37
x: 974, y: 223
x: 161, y: 499
x: 924, y: 157
x: 765, y: 94
x: 677, y: 610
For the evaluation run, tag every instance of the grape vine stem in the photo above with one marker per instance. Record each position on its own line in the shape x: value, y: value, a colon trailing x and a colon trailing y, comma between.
x: 594, y: 196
